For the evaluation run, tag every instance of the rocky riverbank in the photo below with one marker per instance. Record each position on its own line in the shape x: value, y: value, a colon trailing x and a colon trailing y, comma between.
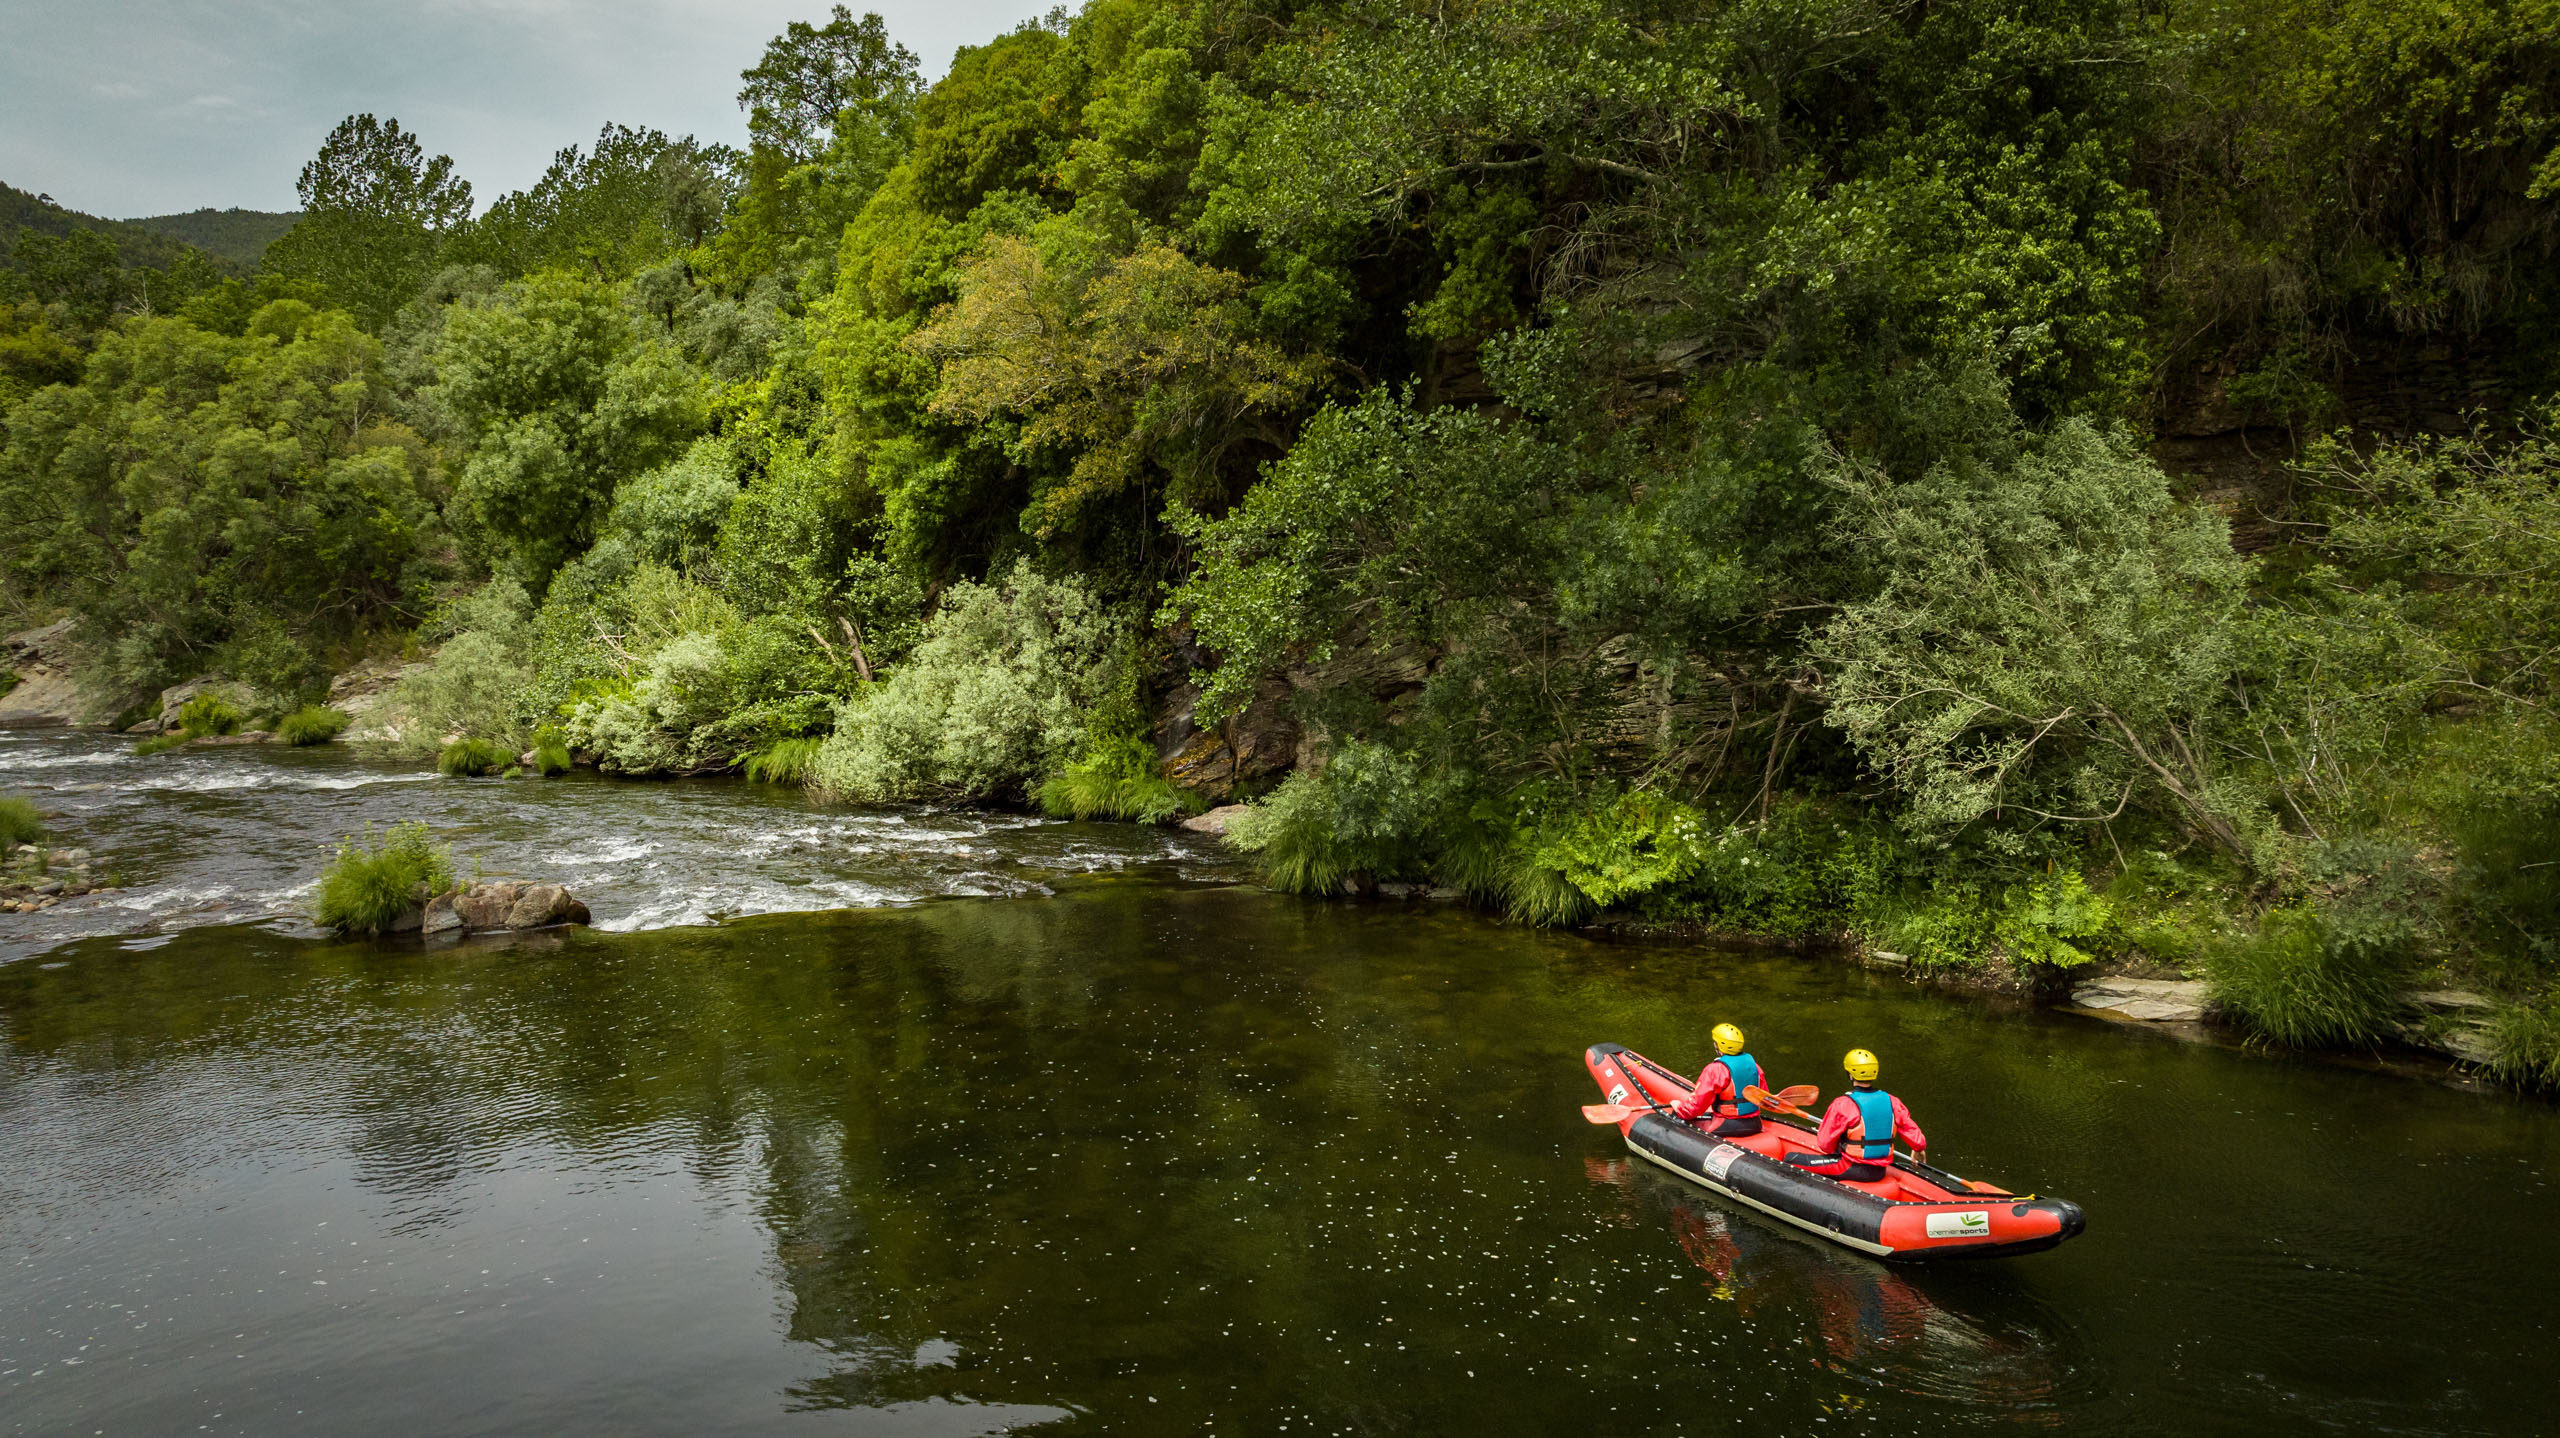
x: 2448, y: 1023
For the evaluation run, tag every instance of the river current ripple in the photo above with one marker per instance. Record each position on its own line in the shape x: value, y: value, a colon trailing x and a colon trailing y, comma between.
x: 239, y: 836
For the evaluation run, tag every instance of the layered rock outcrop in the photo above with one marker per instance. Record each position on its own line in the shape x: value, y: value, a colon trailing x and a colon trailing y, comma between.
x: 46, y: 695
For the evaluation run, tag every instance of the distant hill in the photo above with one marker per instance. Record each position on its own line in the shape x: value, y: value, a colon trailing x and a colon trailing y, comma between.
x: 240, y: 236
x: 136, y: 245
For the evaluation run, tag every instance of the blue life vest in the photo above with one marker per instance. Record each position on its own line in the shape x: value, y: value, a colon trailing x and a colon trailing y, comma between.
x: 1875, y: 1118
x: 1746, y: 1074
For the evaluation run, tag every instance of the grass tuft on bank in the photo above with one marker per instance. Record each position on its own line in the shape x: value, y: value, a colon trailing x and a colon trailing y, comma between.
x: 785, y: 761
x: 312, y: 724
x: 209, y: 714
x: 473, y: 758
x: 550, y: 754
x: 1119, y: 780
x: 20, y: 823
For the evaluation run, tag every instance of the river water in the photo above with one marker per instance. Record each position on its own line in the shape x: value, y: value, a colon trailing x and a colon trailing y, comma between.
x: 934, y: 1123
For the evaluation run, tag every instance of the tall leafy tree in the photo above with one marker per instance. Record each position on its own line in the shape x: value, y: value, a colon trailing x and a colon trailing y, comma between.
x: 205, y: 502
x: 811, y: 75
x: 376, y: 213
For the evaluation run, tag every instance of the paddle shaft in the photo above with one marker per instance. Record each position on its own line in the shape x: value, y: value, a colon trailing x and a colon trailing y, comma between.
x: 1768, y: 1100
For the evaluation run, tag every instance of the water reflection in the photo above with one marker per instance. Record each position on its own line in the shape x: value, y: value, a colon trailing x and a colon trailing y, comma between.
x: 1866, y: 1323
x: 1151, y: 1158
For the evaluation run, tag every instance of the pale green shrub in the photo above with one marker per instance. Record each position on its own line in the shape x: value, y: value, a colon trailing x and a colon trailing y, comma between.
x: 473, y: 688
x: 650, y: 725
x: 994, y: 695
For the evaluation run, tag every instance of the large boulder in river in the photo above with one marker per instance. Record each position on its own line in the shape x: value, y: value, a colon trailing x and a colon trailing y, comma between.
x: 487, y: 907
x: 46, y: 695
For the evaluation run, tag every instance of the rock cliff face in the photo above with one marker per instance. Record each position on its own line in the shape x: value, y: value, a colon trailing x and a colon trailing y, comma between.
x: 363, y: 694
x: 1259, y: 744
x: 46, y: 696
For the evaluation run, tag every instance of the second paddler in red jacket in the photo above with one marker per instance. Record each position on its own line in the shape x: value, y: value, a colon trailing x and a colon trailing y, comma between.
x: 1720, y: 1086
x: 1858, y: 1130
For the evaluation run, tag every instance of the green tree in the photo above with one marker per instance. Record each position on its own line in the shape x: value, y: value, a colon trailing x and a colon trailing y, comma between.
x: 376, y: 214
x: 204, y: 502
x: 79, y: 272
x: 811, y: 75
x: 611, y: 212
x: 2052, y: 635
x: 558, y: 402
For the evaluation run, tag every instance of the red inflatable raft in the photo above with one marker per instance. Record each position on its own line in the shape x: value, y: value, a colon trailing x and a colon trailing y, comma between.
x: 1915, y: 1213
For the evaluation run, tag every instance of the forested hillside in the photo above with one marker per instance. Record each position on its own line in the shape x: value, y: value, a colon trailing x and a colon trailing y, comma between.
x: 1997, y: 482
x: 240, y: 236
x: 141, y: 245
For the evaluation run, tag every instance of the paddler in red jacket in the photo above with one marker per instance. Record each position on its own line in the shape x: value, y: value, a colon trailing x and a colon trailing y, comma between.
x: 1720, y: 1087
x: 1858, y: 1130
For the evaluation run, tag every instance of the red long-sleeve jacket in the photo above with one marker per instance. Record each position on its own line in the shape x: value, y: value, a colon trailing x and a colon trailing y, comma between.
x: 1715, y: 1085
x: 1841, y: 1119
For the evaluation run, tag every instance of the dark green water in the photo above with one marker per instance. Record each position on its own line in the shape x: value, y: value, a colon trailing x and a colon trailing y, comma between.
x: 1147, y: 1157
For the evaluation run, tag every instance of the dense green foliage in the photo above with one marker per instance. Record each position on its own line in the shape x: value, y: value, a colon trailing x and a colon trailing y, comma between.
x: 995, y: 694
x: 1684, y: 465
x: 368, y: 885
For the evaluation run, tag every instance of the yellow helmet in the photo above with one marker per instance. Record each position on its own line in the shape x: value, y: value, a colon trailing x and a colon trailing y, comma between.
x: 1861, y: 1065
x: 1728, y: 1039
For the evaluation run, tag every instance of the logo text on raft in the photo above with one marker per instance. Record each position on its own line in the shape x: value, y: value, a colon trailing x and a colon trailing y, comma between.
x: 1974, y: 1223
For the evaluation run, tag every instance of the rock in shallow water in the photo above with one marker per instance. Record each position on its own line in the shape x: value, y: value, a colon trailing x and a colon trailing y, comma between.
x: 1216, y: 820
x: 494, y: 908
x: 439, y: 916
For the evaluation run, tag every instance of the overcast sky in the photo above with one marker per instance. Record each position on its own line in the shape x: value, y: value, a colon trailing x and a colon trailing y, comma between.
x: 124, y: 108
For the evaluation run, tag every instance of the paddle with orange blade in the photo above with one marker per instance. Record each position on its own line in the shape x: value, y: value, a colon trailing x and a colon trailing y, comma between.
x: 1786, y: 1101
x: 1619, y: 1113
